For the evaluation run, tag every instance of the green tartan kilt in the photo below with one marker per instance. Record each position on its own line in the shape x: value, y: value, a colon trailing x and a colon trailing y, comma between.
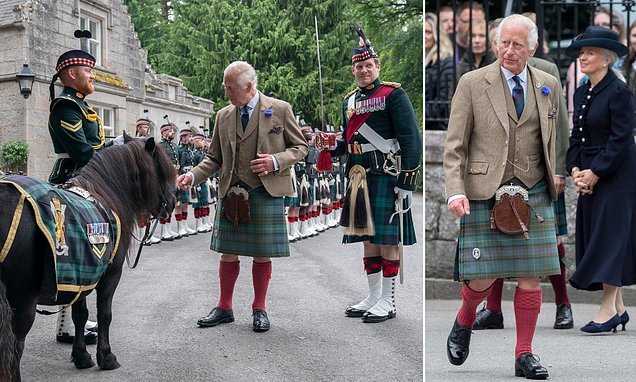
x: 264, y: 236
x: 292, y: 201
x: 183, y: 196
x: 560, y: 215
x: 203, y: 199
x: 382, y: 199
x: 485, y: 253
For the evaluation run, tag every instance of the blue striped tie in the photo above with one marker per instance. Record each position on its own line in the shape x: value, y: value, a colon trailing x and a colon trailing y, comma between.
x: 517, y: 96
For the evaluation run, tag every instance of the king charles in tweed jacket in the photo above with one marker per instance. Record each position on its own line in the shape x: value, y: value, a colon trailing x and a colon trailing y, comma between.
x: 277, y: 134
x: 477, y: 144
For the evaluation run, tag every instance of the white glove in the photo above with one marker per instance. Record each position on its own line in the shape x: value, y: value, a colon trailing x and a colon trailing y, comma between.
x: 404, y: 193
x: 118, y: 140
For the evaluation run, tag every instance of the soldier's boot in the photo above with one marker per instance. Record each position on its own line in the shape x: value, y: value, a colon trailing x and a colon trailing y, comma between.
x: 295, y: 229
x: 311, y: 226
x: 175, y: 235
x: 337, y: 215
x: 325, y: 220
x: 333, y: 221
x: 318, y: 222
x: 66, y: 329
x: 181, y: 230
x: 209, y: 222
x: 289, y: 235
x: 304, y: 232
x: 384, y: 309
x: 154, y: 239
x: 201, y: 227
x: 165, y: 232
x: 189, y: 230
x: 206, y: 224
x: 375, y: 291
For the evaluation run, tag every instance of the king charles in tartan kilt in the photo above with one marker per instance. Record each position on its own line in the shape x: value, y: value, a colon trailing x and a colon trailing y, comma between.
x: 375, y: 182
x: 502, y: 132
x: 256, y: 140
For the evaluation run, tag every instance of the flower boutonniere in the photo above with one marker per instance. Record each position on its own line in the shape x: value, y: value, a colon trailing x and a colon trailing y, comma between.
x: 545, y: 90
x: 268, y: 112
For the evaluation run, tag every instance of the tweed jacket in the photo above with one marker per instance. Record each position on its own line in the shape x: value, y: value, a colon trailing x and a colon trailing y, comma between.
x: 476, y: 146
x: 278, y: 134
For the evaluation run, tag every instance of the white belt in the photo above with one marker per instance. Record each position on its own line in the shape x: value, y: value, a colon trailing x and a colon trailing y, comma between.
x: 63, y: 155
x: 360, y: 148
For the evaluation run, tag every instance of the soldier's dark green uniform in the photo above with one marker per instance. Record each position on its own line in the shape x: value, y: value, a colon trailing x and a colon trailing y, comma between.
x: 394, y: 119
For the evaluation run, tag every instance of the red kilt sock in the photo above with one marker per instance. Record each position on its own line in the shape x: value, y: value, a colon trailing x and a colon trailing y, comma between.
x: 493, y: 302
x: 261, y: 274
x: 527, y: 307
x: 372, y: 264
x: 470, y: 299
x: 290, y: 219
x: 558, y: 281
x: 390, y: 268
x: 228, y: 273
x: 184, y: 215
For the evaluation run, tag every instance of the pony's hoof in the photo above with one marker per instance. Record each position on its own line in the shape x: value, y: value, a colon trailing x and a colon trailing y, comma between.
x: 109, y: 362
x: 83, y: 360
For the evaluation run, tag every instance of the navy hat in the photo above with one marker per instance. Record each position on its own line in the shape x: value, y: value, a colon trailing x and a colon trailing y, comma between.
x: 72, y: 58
x: 167, y: 124
x: 363, y: 52
x: 598, y: 37
x: 186, y: 130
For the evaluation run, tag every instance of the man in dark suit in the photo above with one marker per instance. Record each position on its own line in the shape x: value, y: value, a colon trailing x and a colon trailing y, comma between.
x: 502, y: 132
x: 256, y: 140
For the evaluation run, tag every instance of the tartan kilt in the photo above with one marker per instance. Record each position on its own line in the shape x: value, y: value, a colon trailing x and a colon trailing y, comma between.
x: 264, y: 236
x: 203, y: 199
x: 485, y: 253
x: 183, y: 196
x: 382, y: 199
x: 560, y: 215
x: 291, y: 201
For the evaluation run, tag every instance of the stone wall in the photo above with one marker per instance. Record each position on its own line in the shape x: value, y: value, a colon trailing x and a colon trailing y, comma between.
x: 442, y: 227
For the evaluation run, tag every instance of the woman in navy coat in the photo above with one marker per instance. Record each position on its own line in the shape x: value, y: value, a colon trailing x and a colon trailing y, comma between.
x: 602, y: 161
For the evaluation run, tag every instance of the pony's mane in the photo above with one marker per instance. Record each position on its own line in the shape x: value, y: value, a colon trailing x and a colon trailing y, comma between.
x: 128, y: 179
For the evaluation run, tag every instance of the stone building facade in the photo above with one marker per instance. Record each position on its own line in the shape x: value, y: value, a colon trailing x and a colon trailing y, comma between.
x: 38, y: 31
x: 442, y: 227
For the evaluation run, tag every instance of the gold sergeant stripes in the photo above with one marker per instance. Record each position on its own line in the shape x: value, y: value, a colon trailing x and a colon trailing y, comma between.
x: 74, y: 128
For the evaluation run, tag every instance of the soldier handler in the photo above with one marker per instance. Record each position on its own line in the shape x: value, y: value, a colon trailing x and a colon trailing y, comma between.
x: 77, y: 134
x: 255, y: 142
x: 167, y: 142
x: 378, y: 114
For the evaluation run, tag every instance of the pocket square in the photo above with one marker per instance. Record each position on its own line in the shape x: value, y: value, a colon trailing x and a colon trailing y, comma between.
x: 275, y: 130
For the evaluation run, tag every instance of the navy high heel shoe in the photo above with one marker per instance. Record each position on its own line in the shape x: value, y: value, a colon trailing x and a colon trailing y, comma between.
x: 607, y: 326
x: 624, y: 319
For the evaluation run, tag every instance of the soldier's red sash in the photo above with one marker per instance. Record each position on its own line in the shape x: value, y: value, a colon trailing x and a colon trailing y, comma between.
x: 375, y: 102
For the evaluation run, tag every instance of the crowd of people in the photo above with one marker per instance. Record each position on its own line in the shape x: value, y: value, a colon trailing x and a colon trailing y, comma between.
x: 506, y: 159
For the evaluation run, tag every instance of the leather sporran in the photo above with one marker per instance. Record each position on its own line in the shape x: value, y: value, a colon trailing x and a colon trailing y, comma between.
x: 236, y: 206
x: 511, y: 212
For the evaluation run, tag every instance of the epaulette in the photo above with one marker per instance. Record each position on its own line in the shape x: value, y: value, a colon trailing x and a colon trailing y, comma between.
x: 351, y: 92
x: 392, y: 84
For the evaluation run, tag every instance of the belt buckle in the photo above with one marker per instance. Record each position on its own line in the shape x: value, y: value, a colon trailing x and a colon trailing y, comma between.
x: 357, y: 149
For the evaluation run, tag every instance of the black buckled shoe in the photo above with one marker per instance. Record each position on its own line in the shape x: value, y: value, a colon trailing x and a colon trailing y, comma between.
x: 564, y: 318
x: 89, y: 337
x: 215, y: 317
x: 487, y: 319
x: 261, y: 322
x: 527, y: 365
x: 354, y: 312
x: 458, y: 344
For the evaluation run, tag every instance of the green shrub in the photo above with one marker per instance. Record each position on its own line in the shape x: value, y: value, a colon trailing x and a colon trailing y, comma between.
x: 14, y: 156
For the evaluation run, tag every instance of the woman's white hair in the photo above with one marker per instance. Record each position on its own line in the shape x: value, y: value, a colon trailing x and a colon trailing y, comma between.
x: 533, y: 34
x: 245, y: 71
x: 612, y: 57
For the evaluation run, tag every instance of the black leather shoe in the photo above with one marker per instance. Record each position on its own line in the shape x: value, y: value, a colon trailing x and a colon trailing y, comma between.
x: 261, y: 322
x: 563, y: 317
x: 528, y: 366
x: 353, y: 312
x: 487, y: 319
x: 89, y: 337
x: 216, y: 316
x: 458, y: 344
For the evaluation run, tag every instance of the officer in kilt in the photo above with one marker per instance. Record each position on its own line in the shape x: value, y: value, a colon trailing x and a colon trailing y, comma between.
x: 77, y: 134
x: 500, y: 146
x: 202, y: 189
x: 168, y: 130
x: 184, y: 196
x: 255, y: 142
x: 375, y: 181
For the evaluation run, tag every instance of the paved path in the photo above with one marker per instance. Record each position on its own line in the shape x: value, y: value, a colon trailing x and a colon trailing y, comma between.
x: 155, y: 337
x: 569, y: 355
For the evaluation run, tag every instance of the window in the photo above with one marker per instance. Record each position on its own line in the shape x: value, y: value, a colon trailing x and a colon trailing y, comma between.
x: 107, y: 116
x: 172, y: 92
x: 94, y: 44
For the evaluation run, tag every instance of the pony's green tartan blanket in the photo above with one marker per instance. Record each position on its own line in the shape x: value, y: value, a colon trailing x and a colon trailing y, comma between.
x: 83, y: 235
